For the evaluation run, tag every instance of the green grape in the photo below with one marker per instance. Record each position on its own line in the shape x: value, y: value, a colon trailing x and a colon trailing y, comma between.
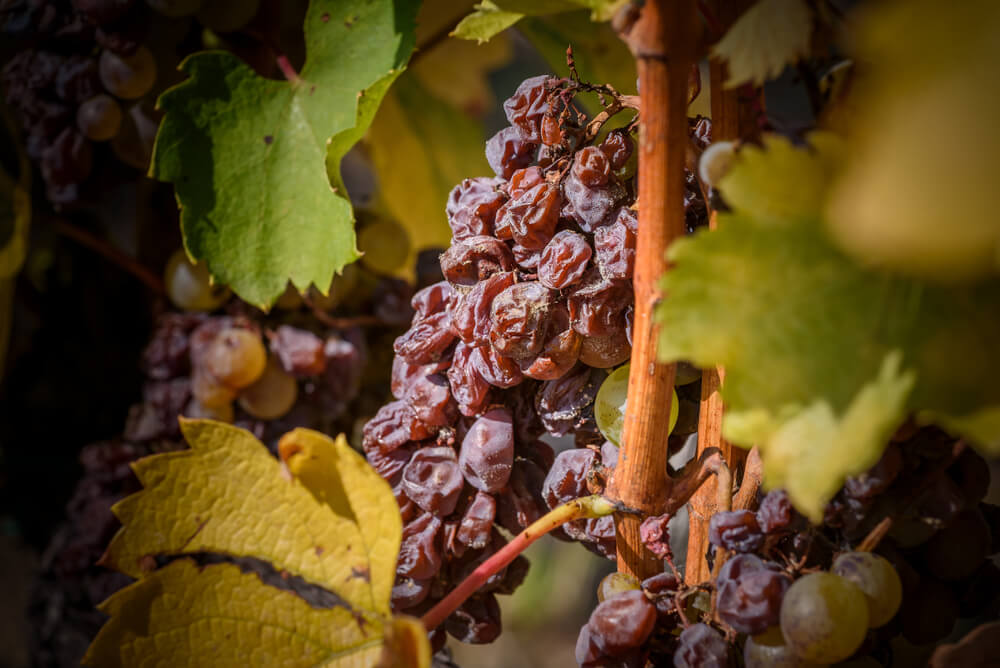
x: 609, y: 407
x: 341, y: 287
x: 824, y: 618
x: 687, y: 373
x: 227, y: 15
x: 128, y: 77
x: 189, y: 286
x: 236, y: 357
x: 208, y: 391
x: 879, y: 581
x: 176, y: 7
x: 222, y: 412
x: 99, y: 118
x: 715, y: 162
x: 768, y: 650
x: 385, y: 246
x: 272, y: 395
x: 614, y: 584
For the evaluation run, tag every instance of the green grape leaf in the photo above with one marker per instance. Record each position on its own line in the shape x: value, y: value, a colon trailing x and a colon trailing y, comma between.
x: 322, y: 515
x: 227, y: 495
x: 764, y: 39
x: 601, y: 56
x: 216, y: 615
x: 916, y: 195
x: 422, y: 147
x: 824, y: 357
x: 247, y: 155
x: 492, y: 18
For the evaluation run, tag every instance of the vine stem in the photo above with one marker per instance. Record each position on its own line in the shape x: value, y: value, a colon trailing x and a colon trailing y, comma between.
x: 587, y: 507
x: 112, y: 254
x: 663, y: 40
x: 286, y: 69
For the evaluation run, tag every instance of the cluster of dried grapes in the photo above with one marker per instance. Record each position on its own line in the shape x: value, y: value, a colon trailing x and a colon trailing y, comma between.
x: 85, y: 75
x: 535, y: 306
x: 786, y: 593
x: 267, y: 373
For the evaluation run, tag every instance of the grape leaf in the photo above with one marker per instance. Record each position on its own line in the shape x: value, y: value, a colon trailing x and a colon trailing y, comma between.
x: 492, y: 18
x: 247, y: 154
x: 909, y: 167
x: 189, y: 615
x: 323, y: 517
x: 824, y: 357
x: 226, y: 495
x: 764, y: 39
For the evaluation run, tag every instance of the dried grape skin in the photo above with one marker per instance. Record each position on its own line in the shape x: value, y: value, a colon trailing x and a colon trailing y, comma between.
x: 506, y: 152
x: 519, y: 319
x: 622, y: 623
x: 750, y: 592
x: 527, y: 258
x: 419, y: 554
x: 487, y: 454
x: 470, y: 313
x: 497, y: 370
x: 591, y: 167
x: 618, y: 146
x: 560, y: 351
x: 567, y: 478
x: 390, y: 465
x: 566, y: 403
x: 301, y: 352
x: 432, y: 480
x: 427, y: 340
x: 597, y: 305
x: 407, y: 592
x: 701, y: 646
x: 532, y: 215
x: 471, y: 391
x: 527, y: 106
x: 735, y: 530
x: 467, y: 262
x: 405, y: 373
x: 614, y: 247
x: 472, y: 207
x: 429, y: 397
x: 590, y: 207
x: 476, y: 621
x: 433, y: 299
x: 605, y: 352
x: 477, y: 521
x: 564, y: 260
x: 393, y: 426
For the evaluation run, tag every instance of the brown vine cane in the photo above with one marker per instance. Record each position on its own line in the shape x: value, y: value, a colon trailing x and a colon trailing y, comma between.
x: 664, y: 41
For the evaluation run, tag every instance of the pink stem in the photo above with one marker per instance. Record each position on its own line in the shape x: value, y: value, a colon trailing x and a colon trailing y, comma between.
x: 287, y: 69
x: 590, y: 506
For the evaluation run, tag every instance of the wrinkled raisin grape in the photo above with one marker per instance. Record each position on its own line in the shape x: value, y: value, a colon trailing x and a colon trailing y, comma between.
x: 474, y: 531
x: 526, y: 107
x: 615, y: 247
x: 520, y: 319
x: 487, y: 453
x: 433, y: 299
x: 701, y: 646
x: 532, y: 215
x: 496, y: 369
x: 419, y: 554
x: 427, y: 340
x: 562, y: 404
x: 506, y: 152
x: 597, y: 305
x: 392, y: 426
x: 470, y: 313
x: 591, y: 167
x: 301, y: 352
x: 467, y: 262
x: 560, y: 351
x: 618, y: 146
x: 472, y: 207
x: 622, y: 623
x: 433, y: 481
x: 564, y: 260
x: 471, y: 391
x: 735, y: 530
x: 429, y: 397
x: 749, y: 593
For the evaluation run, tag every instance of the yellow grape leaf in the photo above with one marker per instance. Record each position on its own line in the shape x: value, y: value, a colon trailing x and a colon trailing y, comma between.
x: 917, y: 194
x: 217, y: 616
x: 781, y: 182
x: 766, y: 38
x: 227, y: 495
x: 491, y: 18
x: 406, y: 644
x: 421, y: 148
x: 455, y: 72
x: 340, y: 478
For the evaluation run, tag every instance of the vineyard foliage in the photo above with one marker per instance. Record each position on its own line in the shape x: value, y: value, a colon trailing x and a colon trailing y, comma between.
x: 322, y: 516
x: 247, y: 155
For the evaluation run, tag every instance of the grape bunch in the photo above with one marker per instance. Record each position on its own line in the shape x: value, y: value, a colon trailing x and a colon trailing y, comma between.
x: 534, y: 308
x: 787, y: 593
x: 87, y: 75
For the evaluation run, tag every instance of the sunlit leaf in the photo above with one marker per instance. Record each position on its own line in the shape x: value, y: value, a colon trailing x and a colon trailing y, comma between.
x: 247, y: 155
x: 824, y: 357
x: 493, y: 17
x: 765, y: 39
